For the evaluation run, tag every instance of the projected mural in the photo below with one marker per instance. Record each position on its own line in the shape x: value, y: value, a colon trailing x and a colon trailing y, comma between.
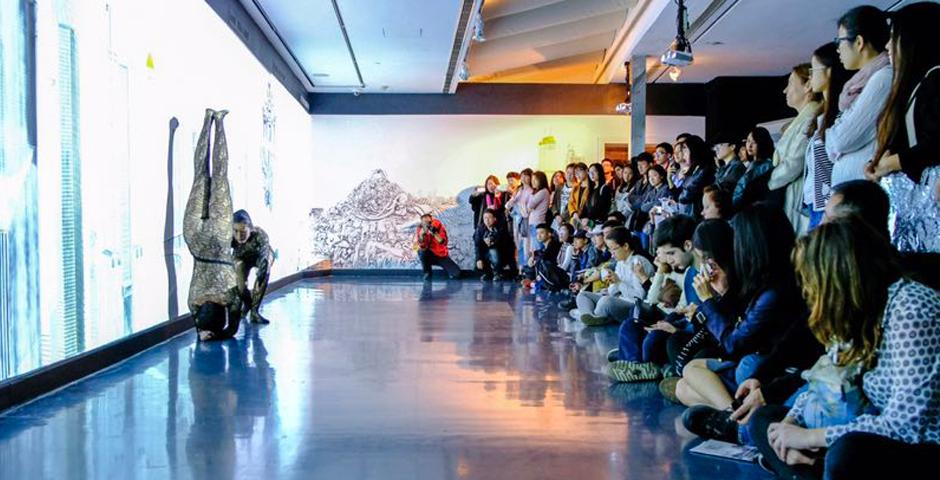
x: 373, y: 226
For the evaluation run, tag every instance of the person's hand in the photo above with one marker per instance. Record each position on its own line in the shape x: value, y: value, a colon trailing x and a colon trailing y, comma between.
x: 785, y: 436
x: 640, y: 273
x: 662, y: 326
x: 888, y: 163
x: 749, y: 390
x: 612, y: 276
x: 796, y: 457
x: 661, y: 265
x: 702, y: 287
x: 688, y: 310
x: 575, y: 287
x: 480, y: 264
x: 585, y: 223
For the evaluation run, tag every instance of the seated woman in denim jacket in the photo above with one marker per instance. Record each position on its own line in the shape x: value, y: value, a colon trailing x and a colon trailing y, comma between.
x: 763, y: 288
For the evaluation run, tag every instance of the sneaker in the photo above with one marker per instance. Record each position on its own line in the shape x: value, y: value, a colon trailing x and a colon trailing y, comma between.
x: 594, y: 321
x: 575, y: 314
x: 624, y: 371
x: 708, y: 422
x: 667, y: 388
x: 613, y: 355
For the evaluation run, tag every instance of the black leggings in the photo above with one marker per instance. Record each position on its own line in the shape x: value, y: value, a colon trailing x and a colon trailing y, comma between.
x: 866, y: 455
x: 854, y: 455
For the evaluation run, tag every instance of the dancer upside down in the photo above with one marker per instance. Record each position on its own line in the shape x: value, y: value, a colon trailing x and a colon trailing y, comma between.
x: 207, y: 229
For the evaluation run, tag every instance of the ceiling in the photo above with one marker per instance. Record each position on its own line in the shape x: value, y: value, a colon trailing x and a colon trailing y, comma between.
x: 545, y: 41
x: 395, y: 46
x: 418, y: 46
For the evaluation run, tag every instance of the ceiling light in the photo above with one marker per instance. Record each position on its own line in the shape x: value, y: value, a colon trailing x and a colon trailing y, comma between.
x: 674, y: 73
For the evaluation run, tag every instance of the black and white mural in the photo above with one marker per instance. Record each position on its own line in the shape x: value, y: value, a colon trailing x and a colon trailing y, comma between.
x: 374, y: 226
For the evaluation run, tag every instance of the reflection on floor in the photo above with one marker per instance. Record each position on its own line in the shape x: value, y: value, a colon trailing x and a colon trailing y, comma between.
x: 360, y: 379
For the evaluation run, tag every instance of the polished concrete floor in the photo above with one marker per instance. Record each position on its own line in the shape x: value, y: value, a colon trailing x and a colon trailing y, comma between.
x: 376, y: 378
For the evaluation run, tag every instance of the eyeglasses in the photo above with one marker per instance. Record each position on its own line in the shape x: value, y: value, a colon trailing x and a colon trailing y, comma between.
x: 836, y: 40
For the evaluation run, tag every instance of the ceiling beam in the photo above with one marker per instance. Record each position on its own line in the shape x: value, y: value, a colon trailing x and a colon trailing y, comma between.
x: 638, y: 22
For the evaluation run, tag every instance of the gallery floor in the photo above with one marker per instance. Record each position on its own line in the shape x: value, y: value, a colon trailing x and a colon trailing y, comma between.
x: 366, y: 378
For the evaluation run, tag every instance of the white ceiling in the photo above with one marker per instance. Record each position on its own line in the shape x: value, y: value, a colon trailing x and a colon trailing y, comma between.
x: 545, y: 41
x: 408, y: 46
x: 400, y: 46
x: 754, y: 38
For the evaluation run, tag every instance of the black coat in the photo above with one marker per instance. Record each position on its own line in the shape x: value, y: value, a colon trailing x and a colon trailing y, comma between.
x: 478, y: 205
x: 693, y: 188
x: 502, y: 241
x: 927, y: 125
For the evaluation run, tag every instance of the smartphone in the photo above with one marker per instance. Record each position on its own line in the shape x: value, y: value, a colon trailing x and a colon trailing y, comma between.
x: 709, y: 268
x: 735, y: 404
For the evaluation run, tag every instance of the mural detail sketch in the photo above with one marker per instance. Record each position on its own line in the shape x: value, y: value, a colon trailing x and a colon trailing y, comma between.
x: 374, y: 226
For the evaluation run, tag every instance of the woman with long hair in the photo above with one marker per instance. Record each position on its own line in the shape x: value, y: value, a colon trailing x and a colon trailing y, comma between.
x: 869, y: 314
x: 909, y: 128
x: 537, y: 206
x: 598, y: 204
x: 786, y: 179
x: 827, y: 78
x: 628, y: 181
x: 580, y: 193
x: 764, y: 301
x: 489, y: 197
x: 518, y: 208
x: 695, y: 172
x: 752, y: 187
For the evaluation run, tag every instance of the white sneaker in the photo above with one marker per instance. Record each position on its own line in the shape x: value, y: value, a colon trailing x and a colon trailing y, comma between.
x: 575, y: 314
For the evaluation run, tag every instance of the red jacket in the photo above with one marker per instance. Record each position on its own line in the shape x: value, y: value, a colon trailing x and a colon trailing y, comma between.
x: 429, y: 242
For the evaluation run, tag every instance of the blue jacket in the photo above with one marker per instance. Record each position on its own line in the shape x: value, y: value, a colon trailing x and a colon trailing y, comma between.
x: 765, y: 320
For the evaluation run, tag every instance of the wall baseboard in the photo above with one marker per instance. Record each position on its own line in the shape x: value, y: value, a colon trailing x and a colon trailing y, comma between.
x: 30, y: 386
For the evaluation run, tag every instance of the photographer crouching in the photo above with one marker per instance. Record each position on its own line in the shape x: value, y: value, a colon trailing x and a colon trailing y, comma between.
x: 431, y: 245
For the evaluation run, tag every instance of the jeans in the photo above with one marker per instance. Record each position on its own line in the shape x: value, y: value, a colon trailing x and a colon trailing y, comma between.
x: 604, y: 305
x: 638, y: 345
x: 493, y: 262
x: 536, y: 245
x: 428, y: 259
